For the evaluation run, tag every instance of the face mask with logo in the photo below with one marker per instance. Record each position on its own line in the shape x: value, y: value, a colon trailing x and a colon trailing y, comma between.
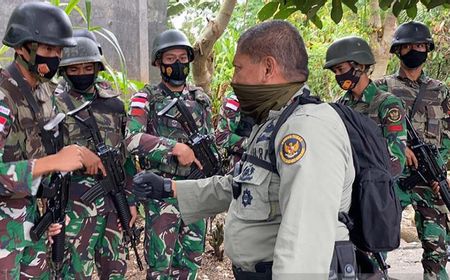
x: 413, y: 58
x: 349, y: 79
x: 82, y: 83
x: 175, y: 73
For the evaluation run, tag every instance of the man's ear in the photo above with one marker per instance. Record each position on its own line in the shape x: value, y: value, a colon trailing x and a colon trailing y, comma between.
x: 270, y: 67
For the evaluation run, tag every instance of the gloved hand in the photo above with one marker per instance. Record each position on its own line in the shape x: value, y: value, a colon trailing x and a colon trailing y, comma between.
x: 147, y: 184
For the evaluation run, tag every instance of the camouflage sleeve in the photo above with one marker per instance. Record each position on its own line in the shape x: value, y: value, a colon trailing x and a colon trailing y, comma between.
x: 138, y: 141
x: 227, y: 124
x: 392, y: 113
x: 130, y: 171
x: 15, y: 177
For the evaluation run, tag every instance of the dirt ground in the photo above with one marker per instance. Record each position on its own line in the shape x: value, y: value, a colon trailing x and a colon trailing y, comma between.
x: 405, y: 261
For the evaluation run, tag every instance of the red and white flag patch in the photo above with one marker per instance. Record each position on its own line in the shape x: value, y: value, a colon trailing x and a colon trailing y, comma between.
x: 3, y: 121
x: 232, y: 104
x: 138, y: 100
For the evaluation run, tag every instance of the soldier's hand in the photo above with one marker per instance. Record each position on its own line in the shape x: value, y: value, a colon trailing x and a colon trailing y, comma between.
x: 435, y: 187
x: 147, y: 184
x: 185, y: 155
x: 68, y: 159
x: 55, y: 229
x: 411, y: 159
x: 134, y: 214
x: 92, y: 162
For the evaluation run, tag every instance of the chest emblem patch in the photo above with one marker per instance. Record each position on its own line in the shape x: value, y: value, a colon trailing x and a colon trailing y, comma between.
x: 247, y: 198
x: 293, y: 147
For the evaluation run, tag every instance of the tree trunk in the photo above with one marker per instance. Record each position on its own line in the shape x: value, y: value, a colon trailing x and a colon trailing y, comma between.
x: 203, y: 65
x: 380, y: 38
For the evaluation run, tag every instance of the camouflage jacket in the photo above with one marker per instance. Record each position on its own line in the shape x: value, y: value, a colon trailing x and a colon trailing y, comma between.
x: 152, y: 138
x: 227, y: 123
x: 20, y: 143
x: 388, y: 111
x: 431, y: 118
x: 110, y: 115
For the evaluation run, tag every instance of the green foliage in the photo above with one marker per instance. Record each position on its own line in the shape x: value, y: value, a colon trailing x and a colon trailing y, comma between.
x: 282, y: 9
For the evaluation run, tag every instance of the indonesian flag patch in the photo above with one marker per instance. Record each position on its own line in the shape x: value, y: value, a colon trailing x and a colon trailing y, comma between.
x: 232, y: 104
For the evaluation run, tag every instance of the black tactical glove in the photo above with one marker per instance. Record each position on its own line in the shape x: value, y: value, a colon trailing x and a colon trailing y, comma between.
x: 147, y: 184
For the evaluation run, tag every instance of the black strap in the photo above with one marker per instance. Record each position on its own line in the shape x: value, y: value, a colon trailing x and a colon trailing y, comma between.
x: 26, y: 90
x: 259, y: 162
x: 418, y: 100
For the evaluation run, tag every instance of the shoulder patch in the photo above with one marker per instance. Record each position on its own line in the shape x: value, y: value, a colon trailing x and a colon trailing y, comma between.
x: 232, y: 104
x: 393, y: 115
x: 293, y: 148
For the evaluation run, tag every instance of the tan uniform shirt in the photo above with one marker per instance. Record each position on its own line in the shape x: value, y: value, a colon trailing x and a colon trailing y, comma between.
x: 291, y: 218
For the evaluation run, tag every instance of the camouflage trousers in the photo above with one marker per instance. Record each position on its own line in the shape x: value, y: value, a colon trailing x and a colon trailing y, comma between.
x: 20, y: 258
x: 173, y: 250
x: 431, y: 224
x: 94, y: 242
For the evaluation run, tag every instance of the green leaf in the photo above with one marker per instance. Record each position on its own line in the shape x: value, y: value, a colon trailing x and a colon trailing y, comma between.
x: 268, y: 10
x: 351, y: 4
x: 385, y: 4
x: 316, y: 21
x: 55, y: 2
x: 412, y: 12
x: 175, y: 9
x: 284, y: 13
x: 336, y: 11
x: 70, y: 6
x: 81, y: 13
x: 434, y: 3
x: 88, y: 5
x: 397, y: 8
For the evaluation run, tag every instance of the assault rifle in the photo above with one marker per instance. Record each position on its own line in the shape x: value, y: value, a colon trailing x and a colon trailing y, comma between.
x: 200, y: 144
x: 56, y: 191
x: 429, y: 169
x: 113, y: 183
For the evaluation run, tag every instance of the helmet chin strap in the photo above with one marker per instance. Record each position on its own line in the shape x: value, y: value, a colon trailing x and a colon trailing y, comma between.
x: 31, y: 64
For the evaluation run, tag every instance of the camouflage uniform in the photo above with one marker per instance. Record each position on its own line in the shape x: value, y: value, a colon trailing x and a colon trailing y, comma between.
x: 20, y: 144
x: 173, y: 249
x: 387, y: 111
x: 93, y: 237
x: 430, y: 123
x: 227, y: 124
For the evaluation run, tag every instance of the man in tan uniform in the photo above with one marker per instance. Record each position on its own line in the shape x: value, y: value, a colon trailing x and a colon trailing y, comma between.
x: 282, y: 220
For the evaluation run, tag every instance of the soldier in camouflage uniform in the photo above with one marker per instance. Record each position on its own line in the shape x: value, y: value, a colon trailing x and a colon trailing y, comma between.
x: 37, y: 32
x: 350, y: 59
x: 411, y: 43
x: 93, y: 236
x: 231, y: 135
x: 173, y: 250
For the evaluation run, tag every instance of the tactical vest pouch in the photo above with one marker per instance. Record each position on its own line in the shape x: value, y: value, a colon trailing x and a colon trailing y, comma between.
x: 343, y: 264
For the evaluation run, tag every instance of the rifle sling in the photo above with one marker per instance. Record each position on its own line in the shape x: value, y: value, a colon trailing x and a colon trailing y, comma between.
x: 418, y: 100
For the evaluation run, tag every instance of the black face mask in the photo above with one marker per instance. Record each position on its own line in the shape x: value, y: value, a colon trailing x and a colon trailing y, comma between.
x: 52, y: 64
x: 413, y: 58
x: 348, y: 80
x: 82, y: 82
x: 175, y: 73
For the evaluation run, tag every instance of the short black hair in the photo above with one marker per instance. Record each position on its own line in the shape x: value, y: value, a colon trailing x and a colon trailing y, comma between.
x: 282, y: 41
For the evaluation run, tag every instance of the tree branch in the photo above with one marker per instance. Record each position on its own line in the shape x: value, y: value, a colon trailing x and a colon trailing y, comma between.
x: 202, y: 66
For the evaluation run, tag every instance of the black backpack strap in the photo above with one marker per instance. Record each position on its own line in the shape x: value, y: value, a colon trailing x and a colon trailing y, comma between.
x: 418, y: 100
x: 259, y: 162
x: 26, y: 91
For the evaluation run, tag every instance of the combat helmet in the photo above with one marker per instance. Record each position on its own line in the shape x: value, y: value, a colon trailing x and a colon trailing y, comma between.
x: 411, y: 32
x: 170, y: 39
x: 350, y: 48
x: 86, y: 51
x: 38, y: 22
